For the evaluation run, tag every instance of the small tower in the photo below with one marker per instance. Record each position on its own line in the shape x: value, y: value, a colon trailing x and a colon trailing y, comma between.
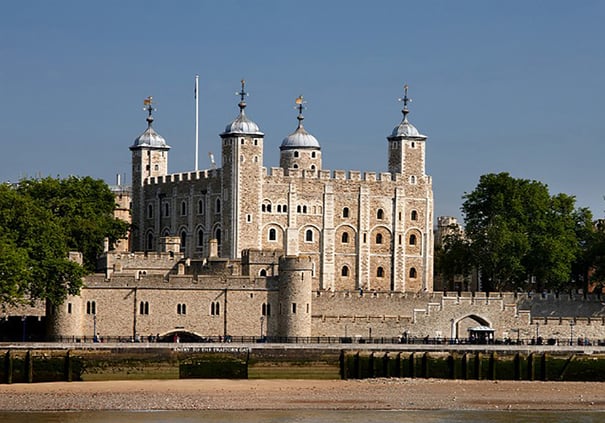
x: 149, y: 159
x: 242, y: 173
x: 406, y: 146
x: 295, y: 296
x: 300, y: 150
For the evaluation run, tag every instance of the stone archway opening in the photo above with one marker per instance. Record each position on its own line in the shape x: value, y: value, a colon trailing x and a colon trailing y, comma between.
x: 460, y: 327
x: 180, y: 335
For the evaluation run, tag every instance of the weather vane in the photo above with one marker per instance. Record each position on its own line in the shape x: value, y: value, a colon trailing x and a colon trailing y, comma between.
x: 405, y: 101
x: 243, y: 94
x: 147, y: 103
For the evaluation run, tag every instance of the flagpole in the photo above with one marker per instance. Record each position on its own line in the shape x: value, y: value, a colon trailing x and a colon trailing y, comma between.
x: 197, y: 109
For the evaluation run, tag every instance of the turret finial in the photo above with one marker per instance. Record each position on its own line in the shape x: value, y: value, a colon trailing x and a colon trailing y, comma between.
x: 300, y: 105
x: 405, y: 101
x: 147, y: 103
x: 243, y: 94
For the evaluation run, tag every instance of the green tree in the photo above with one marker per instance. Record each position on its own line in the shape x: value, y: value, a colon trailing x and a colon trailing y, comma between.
x: 41, y: 221
x: 520, y: 236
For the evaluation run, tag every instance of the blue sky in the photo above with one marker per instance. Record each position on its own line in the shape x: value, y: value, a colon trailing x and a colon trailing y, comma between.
x: 513, y: 86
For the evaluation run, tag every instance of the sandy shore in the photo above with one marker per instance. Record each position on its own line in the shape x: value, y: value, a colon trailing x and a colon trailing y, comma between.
x: 377, y: 394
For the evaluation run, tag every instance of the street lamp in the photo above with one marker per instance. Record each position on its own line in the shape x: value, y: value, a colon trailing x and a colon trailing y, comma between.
x: 94, y: 328
x: 571, y: 325
x: 262, y: 319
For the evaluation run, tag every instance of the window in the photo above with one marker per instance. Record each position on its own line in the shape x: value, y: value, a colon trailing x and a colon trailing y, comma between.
x: 69, y: 308
x: 344, y: 271
x: 378, y: 238
x: 269, y: 208
x: 279, y: 208
x: 412, y: 179
x: 312, y: 167
x: 295, y: 166
x: 200, y: 238
x: 200, y: 207
x: 304, y: 209
x: 217, y: 206
x: 285, y: 209
x: 184, y: 208
x: 150, y: 211
x: 249, y: 218
x: 345, y: 237
x: 413, y: 272
x: 313, y: 154
x: 266, y: 309
x: 293, y: 308
x: 262, y: 273
x: 241, y: 141
x: 298, y: 209
x: 345, y: 212
x: 166, y: 210
x: 412, y: 239
x: 272, y: 234
x: 380, y: 272
x: 150, y: 241
x: 263, y: 208
x: 379, y: 214
x: 217, y: 235
x: 183, y: 240
x: 296, y: 154
x: 414, y: 215
x: 181, y: 309
x: 91, y: 307
x: 144, y: 307
x: 215, y: 308
x: 309, y: 235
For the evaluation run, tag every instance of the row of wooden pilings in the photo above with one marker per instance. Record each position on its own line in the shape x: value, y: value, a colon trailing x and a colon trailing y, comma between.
x: 468, y: 365
x: 25, y: 371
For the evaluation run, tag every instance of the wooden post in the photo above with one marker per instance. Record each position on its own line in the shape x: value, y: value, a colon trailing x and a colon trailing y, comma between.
x: 9, y: 367
x: 478, y: 365
x: 29, y: 365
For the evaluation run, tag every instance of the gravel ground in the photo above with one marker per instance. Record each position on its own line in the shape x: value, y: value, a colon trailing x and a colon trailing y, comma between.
x: 371, y: 394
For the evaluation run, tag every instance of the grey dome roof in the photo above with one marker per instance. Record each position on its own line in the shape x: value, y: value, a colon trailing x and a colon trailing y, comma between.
x: 242, y: 125
x: 299, y: 139
x: 407, y: 130
x: 150, y: 138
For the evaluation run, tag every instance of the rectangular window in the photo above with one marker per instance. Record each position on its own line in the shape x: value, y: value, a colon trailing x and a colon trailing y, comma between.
x: 293, y: 308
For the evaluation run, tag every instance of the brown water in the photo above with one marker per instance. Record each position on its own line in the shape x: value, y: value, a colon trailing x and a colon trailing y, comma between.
x: 304, y: 416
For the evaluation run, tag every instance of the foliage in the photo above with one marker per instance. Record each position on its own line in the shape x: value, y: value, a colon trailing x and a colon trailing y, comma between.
x: 40, y: 222
x: 521, y: 237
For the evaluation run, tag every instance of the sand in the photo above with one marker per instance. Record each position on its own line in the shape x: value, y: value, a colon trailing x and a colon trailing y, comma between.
x: 371, y: 394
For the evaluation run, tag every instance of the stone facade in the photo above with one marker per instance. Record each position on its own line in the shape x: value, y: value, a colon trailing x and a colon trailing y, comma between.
x: 289, y: 251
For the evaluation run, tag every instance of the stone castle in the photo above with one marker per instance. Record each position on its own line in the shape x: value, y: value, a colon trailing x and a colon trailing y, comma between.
x: 290, y: 251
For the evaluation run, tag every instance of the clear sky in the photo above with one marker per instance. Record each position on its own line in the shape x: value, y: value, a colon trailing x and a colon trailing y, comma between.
x: 513, y: 86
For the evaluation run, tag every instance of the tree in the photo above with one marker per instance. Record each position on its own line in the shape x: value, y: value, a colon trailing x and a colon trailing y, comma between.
x: 41, y: 221
x: 520, y: 237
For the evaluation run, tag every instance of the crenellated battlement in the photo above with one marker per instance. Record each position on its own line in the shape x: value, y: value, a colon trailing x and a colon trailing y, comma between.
x: 207, y: 174
x: 335, y: 175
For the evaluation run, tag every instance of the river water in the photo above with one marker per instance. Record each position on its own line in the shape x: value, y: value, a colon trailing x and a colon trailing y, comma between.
x: 304, y: 416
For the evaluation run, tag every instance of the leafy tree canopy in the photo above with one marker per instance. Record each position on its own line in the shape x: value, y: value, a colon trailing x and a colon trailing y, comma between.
x: 519, y: 235
x: 41, y: 220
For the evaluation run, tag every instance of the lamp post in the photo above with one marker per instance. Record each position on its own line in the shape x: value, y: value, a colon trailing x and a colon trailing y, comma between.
x: 571, y: 325
x: 24, y: 328
x: 94, y: 328
x: 262, y: 319
x: 537, y: 333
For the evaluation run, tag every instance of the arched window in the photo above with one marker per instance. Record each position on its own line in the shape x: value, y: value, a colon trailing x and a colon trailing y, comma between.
x: 268, y: 208
x: 200, y: 238
x: 298, y: 209
x: 412, y: 179
x: 183, y: 240
x: 295, y: 166
x: 262, y: 273
x: 217, y: 206
x: 200, y: 207
x: 150, y: 241
x: 412, y: 239
x: 296, y: 154
x: 380, y: 272
x: 413, y: 272
x: 279, y: 208
x: 312, y: 167
x: 345, y: 212
x: 344, y: 271
x: 166, y: 210
x: 379, y: 214
x: 313, y: 154
x: 217, y: 235
x: 184, y: 208
x: 304, y: 209
x: 414, y: 215
x: 285, y: 208
x: 272, y: 234
x: 345, y: 237
x: 144, y: 307
x: 309, y: 235
x: 378, y: 238
x: 150, y: 211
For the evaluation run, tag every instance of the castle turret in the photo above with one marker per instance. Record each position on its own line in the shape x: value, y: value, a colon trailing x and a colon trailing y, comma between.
x: 295, y: 287
x: 149, y: 159
x: 242, y: 156
x: 300, y: 150
x: 406, y: 146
